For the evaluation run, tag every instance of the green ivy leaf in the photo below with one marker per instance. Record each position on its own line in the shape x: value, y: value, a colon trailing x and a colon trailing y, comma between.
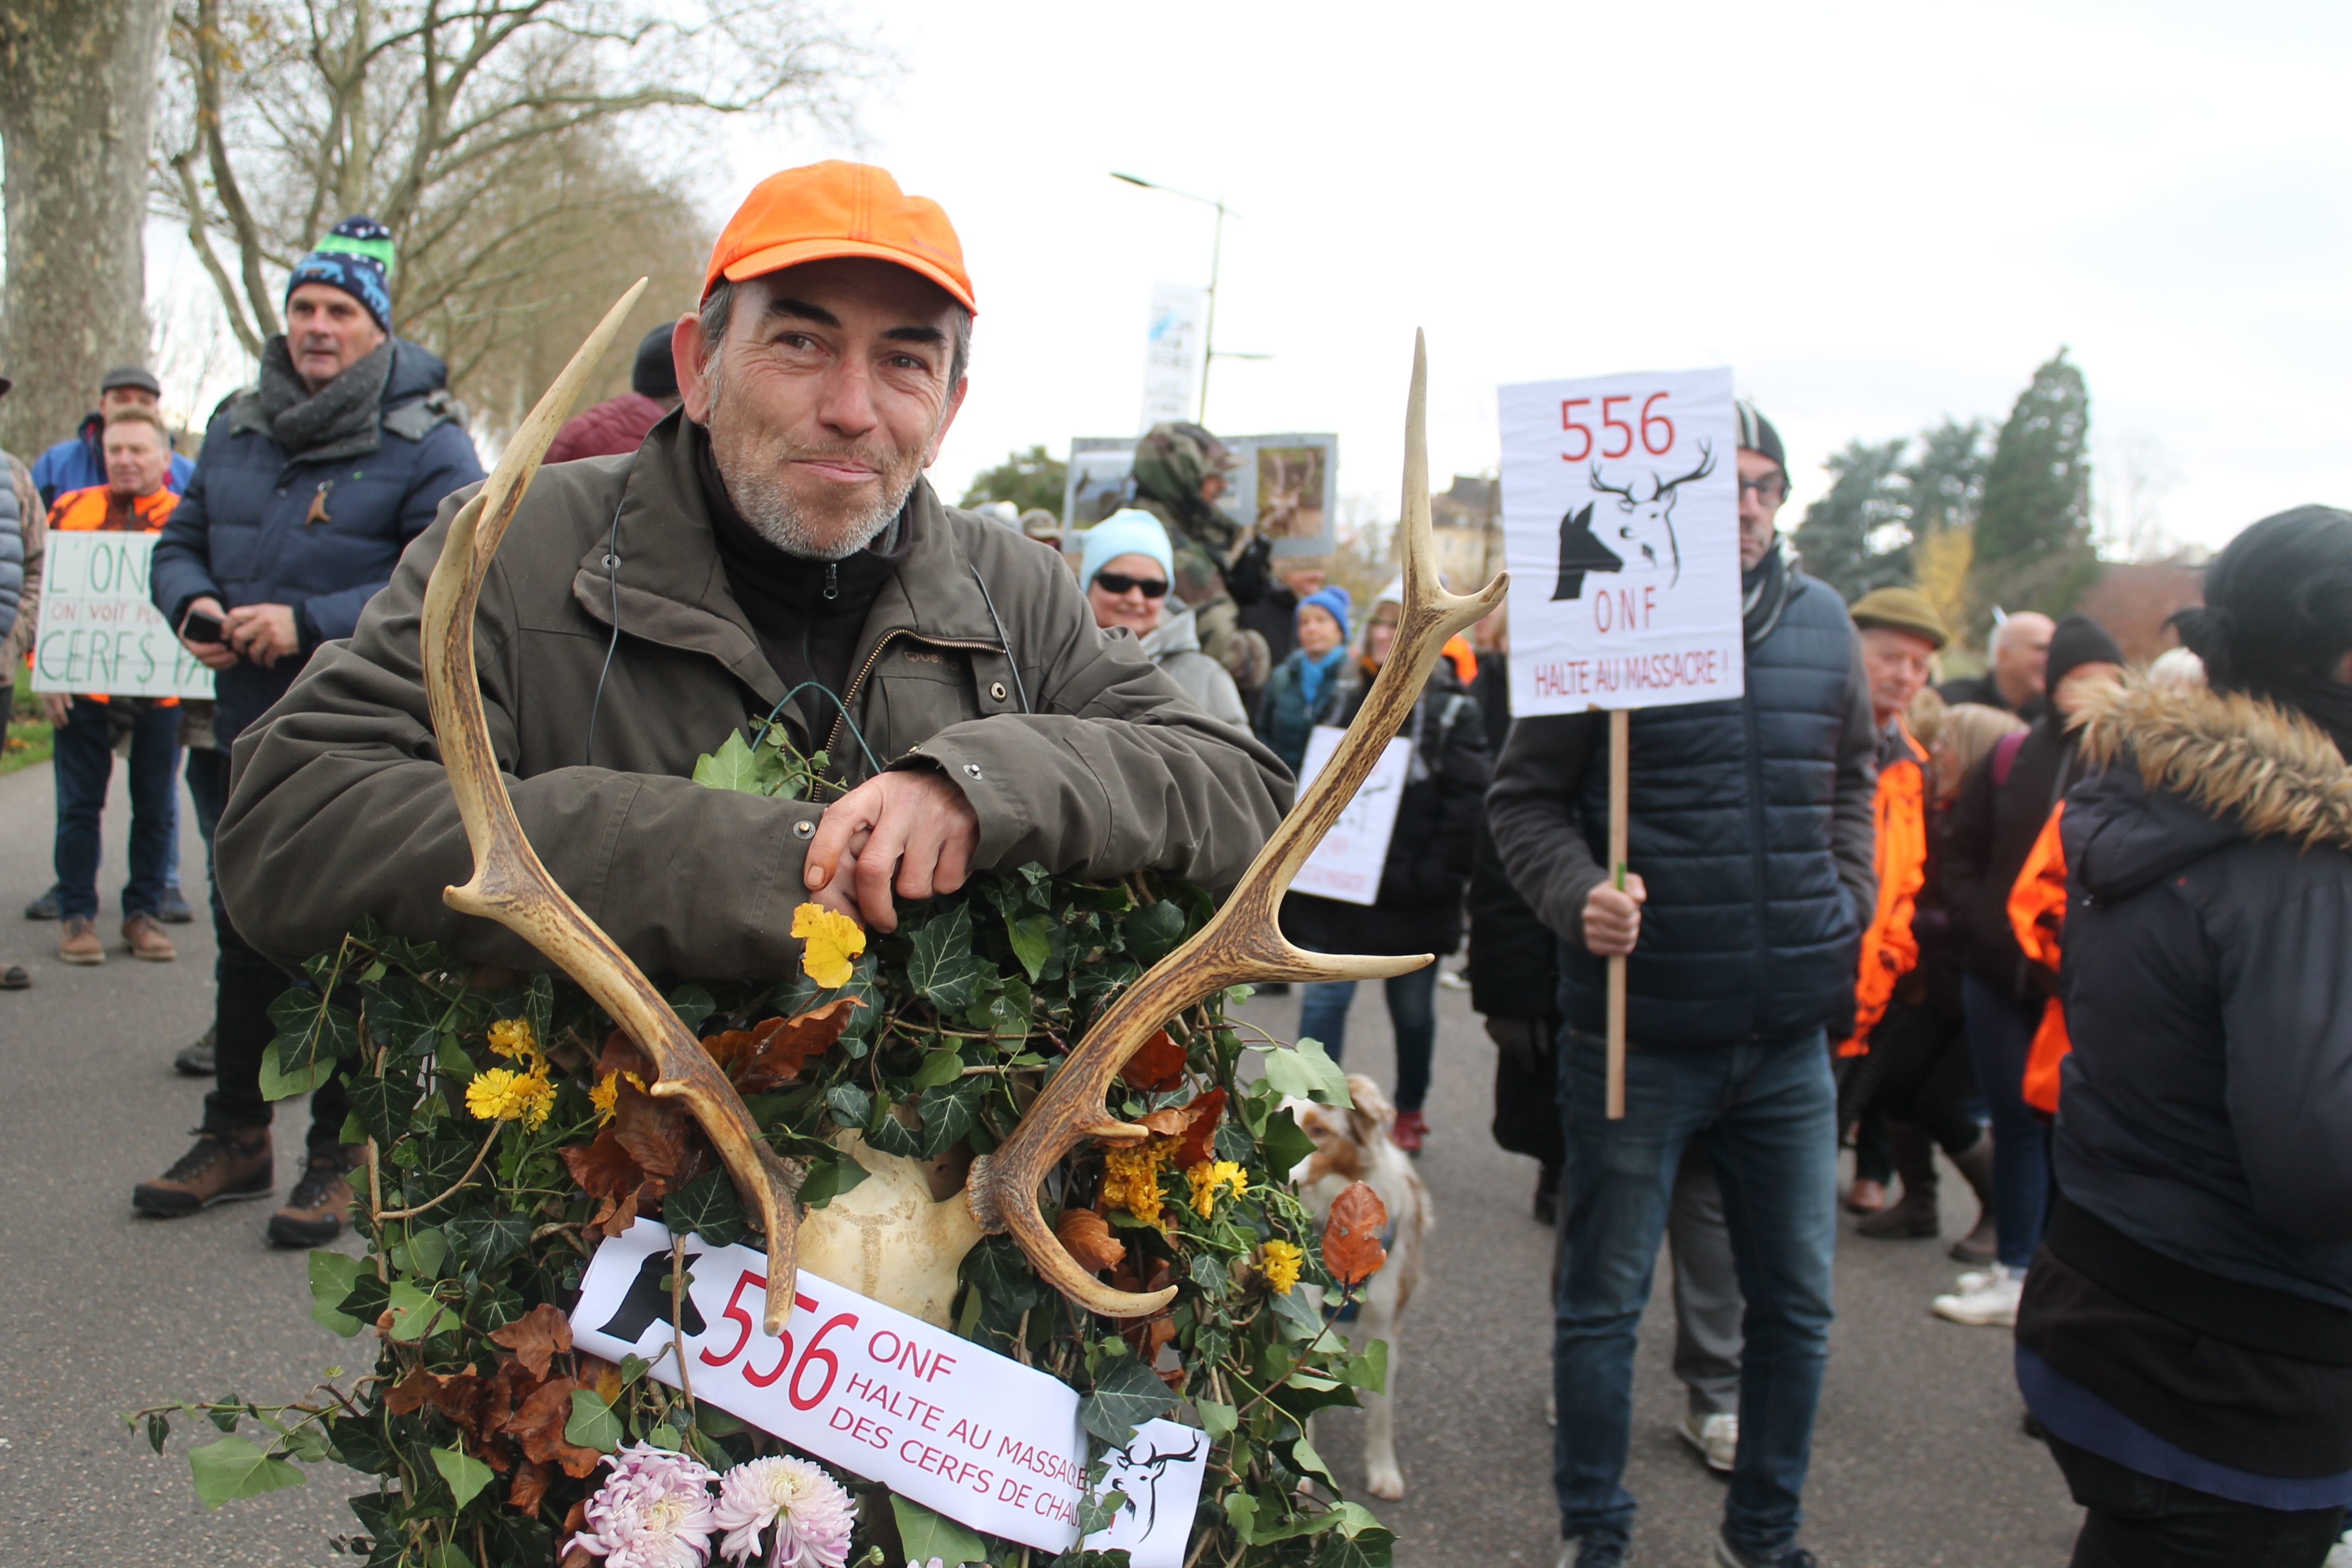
x: 939, y: 1067
x: 692, y: 1005
x: 593, y: 1424
x: 850, y: 1106
x: 709, y: 1206
x: 1127, y: 1394
x: 1285, y: 1143
x: 1003, y: 1277
x: 422, y: 1254
x: 942, y: 970
x: 1217, y: 1420
x: 233, y: 1468
x: 738, y: 766
x: 278, y: 1083
x: 488, y: 1240
x: 828, y: 1179
x: 926, y: 1535
x: 1307, y: 1462
x: 158, y: 1427
x: 1033, y: 942
x: 1307, y: 1072
x: 948, y: 1114
x: 415, y: 1314
x: 467, y: 1475
x: 333, y: 1275
x: 1154, y: 931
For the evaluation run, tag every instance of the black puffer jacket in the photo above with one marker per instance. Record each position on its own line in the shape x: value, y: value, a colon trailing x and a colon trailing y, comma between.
x: 1992, y: 830
x: 1751, y: 824
x: 1419, y: 906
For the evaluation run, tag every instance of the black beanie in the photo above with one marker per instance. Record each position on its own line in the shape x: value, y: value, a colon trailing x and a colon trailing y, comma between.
x: 2278, y: 604
x: 2079, y: 640
x: 655, y: 374
x: 1757, y: 435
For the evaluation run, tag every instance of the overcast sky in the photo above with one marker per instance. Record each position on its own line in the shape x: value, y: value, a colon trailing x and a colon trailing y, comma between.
x: 1876, y: 214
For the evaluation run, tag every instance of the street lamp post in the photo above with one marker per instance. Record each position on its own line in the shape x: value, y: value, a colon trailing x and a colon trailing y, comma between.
x: 1216, y: 254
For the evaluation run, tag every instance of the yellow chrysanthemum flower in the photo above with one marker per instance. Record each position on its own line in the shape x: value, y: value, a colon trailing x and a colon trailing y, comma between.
x: 1211, y: 1177
x: 1278, y: 1260
x: 604, y: 1095
x: 514, y: 1039
x: 1131, y: 1181
x: 502, y: 1094
x: 830, y: 943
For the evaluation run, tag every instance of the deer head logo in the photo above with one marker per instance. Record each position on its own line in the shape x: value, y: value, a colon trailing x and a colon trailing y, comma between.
x: 1635, y: 530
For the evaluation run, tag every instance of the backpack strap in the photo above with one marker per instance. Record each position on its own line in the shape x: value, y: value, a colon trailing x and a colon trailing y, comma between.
x: 2004, y: 755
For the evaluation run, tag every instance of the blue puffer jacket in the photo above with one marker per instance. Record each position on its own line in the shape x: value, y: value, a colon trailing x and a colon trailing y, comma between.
x: 78, y: 462
x: 1750, y: 825
x: 249, y: 529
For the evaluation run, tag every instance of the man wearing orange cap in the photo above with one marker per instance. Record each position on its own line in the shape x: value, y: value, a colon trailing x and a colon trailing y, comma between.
x: 771, y: 549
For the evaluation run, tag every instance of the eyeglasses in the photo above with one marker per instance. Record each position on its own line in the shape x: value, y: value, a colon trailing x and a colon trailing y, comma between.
x: 1114, y: 585
x: 1771, y: 491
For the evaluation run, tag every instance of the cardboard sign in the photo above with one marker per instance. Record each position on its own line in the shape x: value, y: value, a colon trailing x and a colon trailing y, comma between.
x: 100, y: 635
x: 1621, y: 523
x: 937, y: 1419
x: 1347, y: 865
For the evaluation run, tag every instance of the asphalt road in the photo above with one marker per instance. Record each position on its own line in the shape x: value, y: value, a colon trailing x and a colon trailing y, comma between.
x: 1918, y: 1459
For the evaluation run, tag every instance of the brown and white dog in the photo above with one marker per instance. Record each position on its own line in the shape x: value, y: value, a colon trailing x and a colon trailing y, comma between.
x: 1354, y: 1146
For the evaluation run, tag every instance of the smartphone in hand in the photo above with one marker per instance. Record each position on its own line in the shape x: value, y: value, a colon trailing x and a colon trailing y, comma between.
x: 200, y: 628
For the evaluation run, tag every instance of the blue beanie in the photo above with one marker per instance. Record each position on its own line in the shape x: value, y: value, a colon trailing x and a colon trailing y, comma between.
x: 1127, y: 531
x: 355, y: 256
x: 1333, y: 601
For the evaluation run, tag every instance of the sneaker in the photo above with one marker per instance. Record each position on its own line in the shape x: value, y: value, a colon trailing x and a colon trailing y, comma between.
x: 1715, y: 1438
x: 1985, y: 1301
x: 196, y: 1061
x: 2340, y: 1555
x: 1409, y: 1132
x: 1453, y: 979
x: 1595, y: 1552
x: 314, y: 1211
x: 79, y: 944
x: 222, y: 1168
x: 173, y: 909
x: 144, y: 937
x: 1726, y: 1555
x: 45, y: 908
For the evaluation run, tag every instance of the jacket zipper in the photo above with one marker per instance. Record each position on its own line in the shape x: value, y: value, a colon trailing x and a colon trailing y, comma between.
x: 857, y: 682
x: 1756, y: 851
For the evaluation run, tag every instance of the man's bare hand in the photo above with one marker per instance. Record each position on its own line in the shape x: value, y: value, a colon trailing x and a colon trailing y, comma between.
x: 1613, y: 917
x: 907, y: 830
x: 211, y: 655
x: 58, y: 707
x: 263, y: 634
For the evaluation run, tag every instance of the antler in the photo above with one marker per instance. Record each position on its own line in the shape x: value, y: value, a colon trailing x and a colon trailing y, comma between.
x: 512, y: 887
x: 1600, y: 484
x: 1243, y: 940
x: 1705, y: 466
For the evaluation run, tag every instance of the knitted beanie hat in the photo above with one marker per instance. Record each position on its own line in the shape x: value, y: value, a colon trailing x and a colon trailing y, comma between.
x: 356, y: 257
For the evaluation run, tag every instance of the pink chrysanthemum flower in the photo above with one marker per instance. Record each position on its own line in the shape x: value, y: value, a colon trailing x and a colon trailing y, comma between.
x: 653, y: 1512
x: 811, y: 1514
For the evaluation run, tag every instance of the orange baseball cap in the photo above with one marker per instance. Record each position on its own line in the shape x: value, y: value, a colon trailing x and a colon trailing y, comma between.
x: 836, y: 209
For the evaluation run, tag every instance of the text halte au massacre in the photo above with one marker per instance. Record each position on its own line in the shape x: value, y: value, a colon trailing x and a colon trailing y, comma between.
x: 1688, y: 670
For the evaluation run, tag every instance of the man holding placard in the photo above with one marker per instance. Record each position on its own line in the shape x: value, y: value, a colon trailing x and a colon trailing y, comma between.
x: 1647, y: 573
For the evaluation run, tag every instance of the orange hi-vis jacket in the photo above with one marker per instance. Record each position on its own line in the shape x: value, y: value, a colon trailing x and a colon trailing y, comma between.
x: 86, y: 510
x: 1889, y: 950
x: 2037, y: 913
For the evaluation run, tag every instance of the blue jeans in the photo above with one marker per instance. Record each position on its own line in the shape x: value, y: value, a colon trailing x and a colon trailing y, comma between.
x: 1770, y: 1113
x: 2001, y: 1036
x: 1413, y: 1014
x: 84, y: 767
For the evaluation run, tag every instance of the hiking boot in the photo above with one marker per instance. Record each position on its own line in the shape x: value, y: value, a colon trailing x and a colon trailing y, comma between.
x: 1913, y: 1216
x: 1726, y: 1555
x: 1714, y: 1438
x: 315, y: 1210
x: 1409, y: 1132
x: 143, y: 935
x: 1976, y: 1167
x: 222, y: 1168
x: 45, y: 908
x: 79, y: 944
x: 173, y: 909
x: 196, y: 1061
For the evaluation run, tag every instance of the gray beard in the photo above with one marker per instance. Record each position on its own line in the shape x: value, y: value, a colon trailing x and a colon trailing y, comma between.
x: 763, y: 504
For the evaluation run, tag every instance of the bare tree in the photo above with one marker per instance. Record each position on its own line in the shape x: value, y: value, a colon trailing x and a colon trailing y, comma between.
x: 520, y: 151
x: 76, y: 108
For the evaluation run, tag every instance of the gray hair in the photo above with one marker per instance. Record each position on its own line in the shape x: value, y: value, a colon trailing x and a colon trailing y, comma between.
x: 718, y: 312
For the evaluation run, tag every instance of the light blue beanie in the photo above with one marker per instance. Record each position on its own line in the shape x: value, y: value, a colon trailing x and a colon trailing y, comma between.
x: 1127, y: 531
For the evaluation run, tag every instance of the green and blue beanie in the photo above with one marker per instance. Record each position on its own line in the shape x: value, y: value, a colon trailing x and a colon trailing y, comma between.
x: 356, y: 257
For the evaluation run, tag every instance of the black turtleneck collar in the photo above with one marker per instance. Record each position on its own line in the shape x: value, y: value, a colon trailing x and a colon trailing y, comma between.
x: 808, y: 614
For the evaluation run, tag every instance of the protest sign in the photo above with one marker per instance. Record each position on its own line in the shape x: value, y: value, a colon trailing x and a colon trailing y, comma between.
x: 1347, y: 865
x: 937, y: 1419
x: 1285, y: 486
x: 1621, y: 523
x: 1172, y: 353
x: 99, y: 634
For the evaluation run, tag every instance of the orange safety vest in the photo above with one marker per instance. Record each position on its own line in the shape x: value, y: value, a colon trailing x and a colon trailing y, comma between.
x: 84, y: 510
x: 2037, y: 913
x: 1889, y: 950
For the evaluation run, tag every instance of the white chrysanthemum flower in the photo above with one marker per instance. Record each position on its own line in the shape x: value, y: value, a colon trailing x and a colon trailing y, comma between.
x: 811, y: 1514
x: 653, y: 1512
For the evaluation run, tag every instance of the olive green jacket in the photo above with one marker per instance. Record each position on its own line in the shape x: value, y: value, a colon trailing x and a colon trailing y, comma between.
x: 1073, y: 749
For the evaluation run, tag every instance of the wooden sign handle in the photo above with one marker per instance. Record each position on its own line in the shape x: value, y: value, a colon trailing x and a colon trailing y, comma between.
x: 1620, y: 746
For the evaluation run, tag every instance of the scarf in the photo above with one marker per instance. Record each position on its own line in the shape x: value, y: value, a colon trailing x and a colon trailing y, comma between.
x: 338, y: 420
x: 1315, y: 673
x: 1764, y: 591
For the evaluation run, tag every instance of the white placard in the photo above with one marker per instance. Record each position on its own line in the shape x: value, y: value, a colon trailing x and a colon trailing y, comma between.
x: 98, y: 633
x: 1347, y: 865
x: 937, y: 1419
x: 1173, y: 345
x: 1621, y: 523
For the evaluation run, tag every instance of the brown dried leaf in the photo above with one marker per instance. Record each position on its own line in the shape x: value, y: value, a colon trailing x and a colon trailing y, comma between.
x: 660, y: 1136
x: 727, y: 1049
x: 529, y: 1488
x: 538, y: 1427
x: 1351, y: 1237
x: 540, y: 1334
x: 573, y: 1522
x: 780, y: 1047
x: 1157, y: 1063
x: 1087, y: 1236
x: 407, y: 1396
x: 603, y: 1169
x: 1194, y: 1123
x: 621, y: 1056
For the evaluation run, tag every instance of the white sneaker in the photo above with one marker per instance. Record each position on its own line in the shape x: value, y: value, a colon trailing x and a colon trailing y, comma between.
x: 1715, y: 1438
x: 2340, y: 1555
x: 1989, y: 1302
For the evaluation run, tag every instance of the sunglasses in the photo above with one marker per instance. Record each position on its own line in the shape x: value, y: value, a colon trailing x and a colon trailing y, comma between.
x: 1114, y: 585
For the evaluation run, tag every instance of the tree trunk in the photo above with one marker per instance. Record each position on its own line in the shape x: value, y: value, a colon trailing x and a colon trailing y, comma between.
x: 78, y: 84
